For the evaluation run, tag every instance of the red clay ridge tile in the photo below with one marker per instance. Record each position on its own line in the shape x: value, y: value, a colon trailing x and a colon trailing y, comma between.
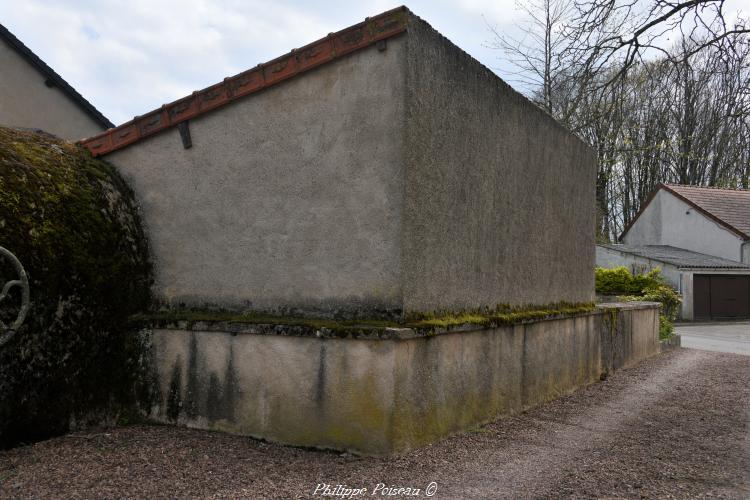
x: 335, y: 45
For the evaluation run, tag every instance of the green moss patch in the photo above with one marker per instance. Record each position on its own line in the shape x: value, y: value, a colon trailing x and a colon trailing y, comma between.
x: 500, y: 316
x: 192, y: 316
x: 424, y: 323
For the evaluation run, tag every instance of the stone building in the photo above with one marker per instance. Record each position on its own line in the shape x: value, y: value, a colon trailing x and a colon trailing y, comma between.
x: 33, y: 95
x: 377, y: 171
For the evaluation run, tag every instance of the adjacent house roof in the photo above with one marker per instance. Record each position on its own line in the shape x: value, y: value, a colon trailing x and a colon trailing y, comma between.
x: 373, y: 30
x: 52, y: 78
x: 679, y: 257
x: 728, y: 207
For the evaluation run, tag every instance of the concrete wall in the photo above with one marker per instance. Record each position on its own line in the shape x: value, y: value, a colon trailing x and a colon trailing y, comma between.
x: 26, y: 102
x: 288, y: 199
x: 409, y: 179
x: 500, y: 198
x: 668, y: 220
x: 386, y: 396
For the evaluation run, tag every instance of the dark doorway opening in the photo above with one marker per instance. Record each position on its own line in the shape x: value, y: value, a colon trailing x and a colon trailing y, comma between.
x: 719, y: 296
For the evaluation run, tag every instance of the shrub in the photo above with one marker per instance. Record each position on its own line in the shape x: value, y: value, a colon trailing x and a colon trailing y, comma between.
x: 649, y: 287
x: 620, y: 281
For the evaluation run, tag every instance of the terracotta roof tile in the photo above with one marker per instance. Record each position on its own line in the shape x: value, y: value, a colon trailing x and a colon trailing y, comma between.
x: 335, y: 45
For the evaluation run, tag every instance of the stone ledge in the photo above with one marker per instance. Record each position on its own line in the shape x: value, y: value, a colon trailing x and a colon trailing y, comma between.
x: 359, y: 332
x: 628, y: 305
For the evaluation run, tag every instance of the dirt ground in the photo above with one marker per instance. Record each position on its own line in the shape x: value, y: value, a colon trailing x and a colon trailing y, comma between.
x: 676, y: 426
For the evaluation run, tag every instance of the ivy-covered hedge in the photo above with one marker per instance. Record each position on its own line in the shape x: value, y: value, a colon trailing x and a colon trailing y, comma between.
x: 72, y: 222
x: 649, y: 287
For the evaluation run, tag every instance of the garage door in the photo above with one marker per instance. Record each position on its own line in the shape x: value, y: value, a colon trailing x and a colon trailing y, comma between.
x: 721, y: 296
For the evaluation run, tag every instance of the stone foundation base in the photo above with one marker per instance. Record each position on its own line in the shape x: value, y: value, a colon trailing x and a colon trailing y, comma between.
x: 383, y: 396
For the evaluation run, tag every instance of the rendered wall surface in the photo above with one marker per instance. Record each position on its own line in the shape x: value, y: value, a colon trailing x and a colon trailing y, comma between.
x: 385, y: 182
x: 288, y: 199
x: 499, y: 203
x: 380, y: 397
x: 26, y: 102
x: 668, y: 220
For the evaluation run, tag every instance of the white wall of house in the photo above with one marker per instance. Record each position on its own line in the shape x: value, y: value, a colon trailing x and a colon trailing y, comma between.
x: 668, y: 220
x: 27, y: 102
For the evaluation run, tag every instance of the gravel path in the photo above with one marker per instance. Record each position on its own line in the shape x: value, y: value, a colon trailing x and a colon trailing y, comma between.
x: 676, y: 426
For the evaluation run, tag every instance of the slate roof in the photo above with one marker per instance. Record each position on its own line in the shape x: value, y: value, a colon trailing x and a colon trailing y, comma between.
x: 729, y: 208
x: 52, y: 78
x: 373, y: 30
x: 679, y: 257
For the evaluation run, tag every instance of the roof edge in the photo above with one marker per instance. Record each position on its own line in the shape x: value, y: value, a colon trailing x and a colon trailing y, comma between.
x: 668, y: 188
x: 264, y: 75
x: 741, y: 266
x: 53, y: 77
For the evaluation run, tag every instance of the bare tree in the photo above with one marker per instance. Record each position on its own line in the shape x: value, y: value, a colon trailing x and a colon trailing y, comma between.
x: 620, y: 33
x: 661, y: 91
x: 541, y: 54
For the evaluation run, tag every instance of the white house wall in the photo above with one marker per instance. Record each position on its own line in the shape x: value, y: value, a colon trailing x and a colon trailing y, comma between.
x: 27, y: 102
x: 668, y: 220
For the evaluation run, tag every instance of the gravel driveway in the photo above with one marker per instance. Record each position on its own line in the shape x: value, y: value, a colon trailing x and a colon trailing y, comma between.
x: 676, y: 426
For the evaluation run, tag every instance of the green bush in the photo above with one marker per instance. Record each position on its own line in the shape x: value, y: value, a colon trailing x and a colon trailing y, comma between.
x: 619, y: 281
x: 649, y: 287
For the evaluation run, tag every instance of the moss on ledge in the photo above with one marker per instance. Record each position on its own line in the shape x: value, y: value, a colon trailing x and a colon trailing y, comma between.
x: 501, y: 316
x: 423, y: 324
x: 255, y: 318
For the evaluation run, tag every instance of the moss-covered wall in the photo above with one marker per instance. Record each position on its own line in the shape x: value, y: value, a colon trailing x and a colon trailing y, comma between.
x: 73, y: 223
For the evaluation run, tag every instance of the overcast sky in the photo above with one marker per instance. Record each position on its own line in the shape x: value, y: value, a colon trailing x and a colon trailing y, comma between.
x: 130, y: 56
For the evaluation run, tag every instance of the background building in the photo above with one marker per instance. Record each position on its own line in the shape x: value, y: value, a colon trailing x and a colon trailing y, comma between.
x: 699, y: 236
x: 33, y: 96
